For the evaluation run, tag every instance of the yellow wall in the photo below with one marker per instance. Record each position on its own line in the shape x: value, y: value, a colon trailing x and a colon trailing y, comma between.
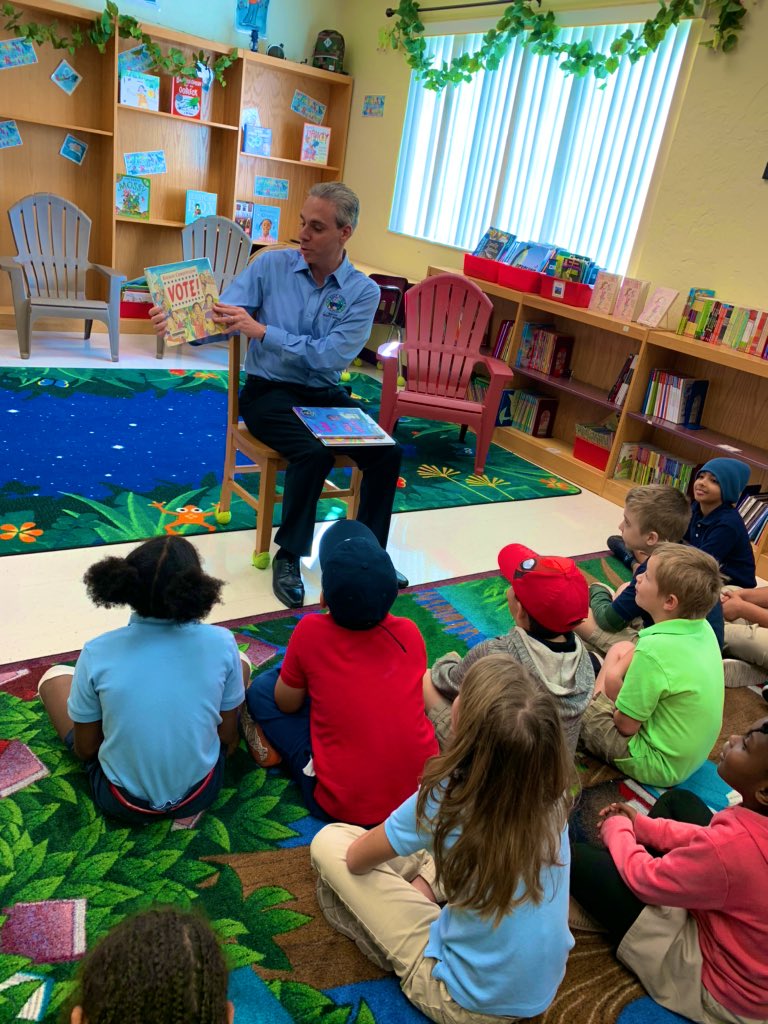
x: 707, y: 222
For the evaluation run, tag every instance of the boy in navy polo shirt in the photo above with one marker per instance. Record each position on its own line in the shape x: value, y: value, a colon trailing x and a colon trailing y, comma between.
x: 345, y: 710
x: 716, y: 526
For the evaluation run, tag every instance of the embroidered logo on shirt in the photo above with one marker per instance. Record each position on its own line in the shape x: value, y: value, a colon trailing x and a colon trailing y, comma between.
x: 336, y: 303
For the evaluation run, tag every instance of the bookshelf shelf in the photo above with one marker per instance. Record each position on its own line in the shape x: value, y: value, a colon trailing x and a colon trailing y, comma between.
x: 553, y: 453
x: 55, y: 123
x: 286, y: 160
x: 570, y: 386
x: 718, y: 354
x: 153, y: 222
x: 729, y: 447
x: 179, y: 120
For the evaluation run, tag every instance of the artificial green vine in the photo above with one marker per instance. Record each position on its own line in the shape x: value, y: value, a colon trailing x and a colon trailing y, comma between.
x: 540, y: 32
x: 101, y: 30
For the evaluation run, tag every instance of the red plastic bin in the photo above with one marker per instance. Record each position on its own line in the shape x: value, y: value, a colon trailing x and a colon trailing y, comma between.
x: 519, y: 278
x: 135, y: 310
x: 571, y: 293
x: 590, y: 453
x: 480, y: 267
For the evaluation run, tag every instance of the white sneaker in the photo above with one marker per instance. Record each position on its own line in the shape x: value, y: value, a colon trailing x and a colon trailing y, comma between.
x: 742, y: 673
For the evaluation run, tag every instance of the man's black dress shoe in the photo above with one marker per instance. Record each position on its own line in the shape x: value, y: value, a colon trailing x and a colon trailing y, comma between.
x: 402, y: 581
x: 286, y: 582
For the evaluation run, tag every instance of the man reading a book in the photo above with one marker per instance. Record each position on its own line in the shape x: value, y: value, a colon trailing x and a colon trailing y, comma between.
x: 308, y: 314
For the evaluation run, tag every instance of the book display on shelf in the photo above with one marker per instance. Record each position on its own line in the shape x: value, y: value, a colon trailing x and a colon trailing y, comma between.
x: 199, y: 204
x: 186, y: 97
x: 494, y: 244
x: 503, y: 344
x: 244, y: 216
x: 631, y: 299
x: 657, y: 306
x: 620, y: 386
x: 531, y: 256
x: 140, y: 90
x: 677, y: 398
x: 342, y: 426
x: 315, y: 140
x: 543, y: 349
x: 605, y: 292
x: 528, y: 412
x: 187, y: 292
x: 132, y: 197
x: 696, y: 311
x: 477, y: 391
x: 647, y: 464
x: 753, y: 509
x: 257, y: 141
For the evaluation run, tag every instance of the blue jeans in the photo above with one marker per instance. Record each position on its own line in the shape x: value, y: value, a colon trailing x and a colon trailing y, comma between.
x: 288, y: 734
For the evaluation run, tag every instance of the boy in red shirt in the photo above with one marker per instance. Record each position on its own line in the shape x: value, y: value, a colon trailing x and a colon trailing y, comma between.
x: 346, y: 709
x: 691, y: 921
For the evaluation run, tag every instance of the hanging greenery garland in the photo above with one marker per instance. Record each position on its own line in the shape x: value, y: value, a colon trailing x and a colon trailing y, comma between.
x: 101, y: 30
x: 540, y: 33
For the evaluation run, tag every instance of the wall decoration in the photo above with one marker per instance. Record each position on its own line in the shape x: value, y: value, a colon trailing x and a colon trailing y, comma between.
x: 152, y: 162
x: 15, y: 53
x: 373, y: 106
x: 9, y: 135
x: 306, y: 107
x: 73, y: 149
x: 271, y: 188
x: 66, y: 77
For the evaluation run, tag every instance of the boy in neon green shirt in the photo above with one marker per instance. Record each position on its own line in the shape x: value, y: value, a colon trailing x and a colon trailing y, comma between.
x: 659, y: 705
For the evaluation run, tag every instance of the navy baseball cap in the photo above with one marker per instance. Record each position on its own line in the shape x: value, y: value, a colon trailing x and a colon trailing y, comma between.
x: 357, y: 575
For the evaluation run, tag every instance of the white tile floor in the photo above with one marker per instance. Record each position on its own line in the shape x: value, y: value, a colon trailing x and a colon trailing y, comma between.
x: 43, y: 606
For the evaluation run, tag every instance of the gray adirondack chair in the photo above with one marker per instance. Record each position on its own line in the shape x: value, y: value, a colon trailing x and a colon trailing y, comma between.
x: 225, y: 244
x: 48, y: 275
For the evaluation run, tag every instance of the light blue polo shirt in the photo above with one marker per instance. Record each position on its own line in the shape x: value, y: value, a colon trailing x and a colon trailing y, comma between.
x: 158, y: 689
x: 512, y: 969
x: 313, y: 331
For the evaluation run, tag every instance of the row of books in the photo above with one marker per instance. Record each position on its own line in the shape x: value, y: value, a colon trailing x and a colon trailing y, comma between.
x: 138, y: 89
x: 675, y: 397
x: 503, y: 344
x: 540, y: 257
x: 133, y: 194
x: 753, y: 508
x: 646, y: 464
x: 620, y: 387
x: 542, y: 348
x: 529, y: 412
x: 707, y: 319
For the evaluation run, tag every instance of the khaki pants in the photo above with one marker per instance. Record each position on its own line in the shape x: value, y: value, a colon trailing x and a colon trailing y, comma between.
x: 388, y: 919
x: 662, y: 949
x: 599, y: 733
x: 747, y: 642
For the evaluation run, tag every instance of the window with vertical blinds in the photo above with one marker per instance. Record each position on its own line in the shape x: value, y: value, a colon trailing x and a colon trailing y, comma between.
x: 525, y: 148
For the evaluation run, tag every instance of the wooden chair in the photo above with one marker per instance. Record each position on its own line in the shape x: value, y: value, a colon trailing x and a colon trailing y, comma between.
x: 267, y: 463
x: 225, y: 244
x: 48, y: 276
x: 446, y: 318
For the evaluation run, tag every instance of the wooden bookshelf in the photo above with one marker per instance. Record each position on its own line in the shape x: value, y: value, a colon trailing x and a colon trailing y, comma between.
x: 202, y: 155
x: 735, y: 419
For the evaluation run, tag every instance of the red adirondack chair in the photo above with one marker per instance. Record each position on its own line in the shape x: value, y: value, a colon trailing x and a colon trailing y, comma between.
x: 446, y: 317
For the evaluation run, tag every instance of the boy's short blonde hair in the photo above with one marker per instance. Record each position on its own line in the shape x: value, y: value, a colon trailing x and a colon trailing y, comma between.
x: 690, y: 575
x: 659, y: 509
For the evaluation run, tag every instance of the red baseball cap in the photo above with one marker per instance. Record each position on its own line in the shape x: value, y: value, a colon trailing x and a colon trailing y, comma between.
x: 550, y: 588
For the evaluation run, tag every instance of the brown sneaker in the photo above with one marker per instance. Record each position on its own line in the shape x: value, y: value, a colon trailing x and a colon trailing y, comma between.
x: 259, y: 747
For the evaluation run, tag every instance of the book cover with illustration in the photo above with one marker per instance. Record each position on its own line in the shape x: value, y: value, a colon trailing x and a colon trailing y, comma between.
x: 186, y: 97
x: 257, y: 141
x: 657, y: 306
x: 132, y: 197
x: 187, y: 292
x: 199, y: 204
x: 266, y: 224
x: 315, y: 140
x: 631, y: 299
x: 494, y: 244
x: 244, y: 216
x: 340, y: 425
x: 532, y: 256
x: 140, y: 90
x: 605, y: 293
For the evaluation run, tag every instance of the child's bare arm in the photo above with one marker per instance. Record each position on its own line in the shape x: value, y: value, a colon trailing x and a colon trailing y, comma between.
x: 737, y: 607
x: 228, y: 733
x: 369, y: 850
x: 626, y: 726
x: 610, y: 678
x: 289, y: 698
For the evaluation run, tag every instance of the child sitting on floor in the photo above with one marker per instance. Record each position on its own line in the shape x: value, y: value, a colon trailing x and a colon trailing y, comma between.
x: 547, y: 597
x: 151, y: 708
x: 158, y: 966
x: 691, y: 923
x: 653, y: 514
x: 345, y: 710
x: 716, y: 526
x: 487, y: 832
x: 746, y: 637
x: 659, y: 706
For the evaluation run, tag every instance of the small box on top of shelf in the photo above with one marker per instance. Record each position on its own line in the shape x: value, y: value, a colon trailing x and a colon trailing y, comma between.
x: 572, y: 293
x: 520, y: 279
x: 482, y: 268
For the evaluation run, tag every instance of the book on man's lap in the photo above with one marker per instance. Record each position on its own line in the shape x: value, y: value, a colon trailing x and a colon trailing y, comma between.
x: 341, y: 426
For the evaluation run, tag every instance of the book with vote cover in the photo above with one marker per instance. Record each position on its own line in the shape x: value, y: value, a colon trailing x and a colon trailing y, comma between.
x: 187, y: 292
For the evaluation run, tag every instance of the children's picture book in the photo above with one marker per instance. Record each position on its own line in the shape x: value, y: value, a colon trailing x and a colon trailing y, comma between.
x: 132, y: 197
x: 151, y: 162
x: 342, y: 426
x: 199, y: 204
x: 494, y: 244
x: 257, y: 141
x: 373, y: 106
x: 187, y: 292
x: 186, y: 97
x: 270, y: 188
x: 9, y: 134
x: 138, y: 58
x: 138, y: 89
x: 244, y: 216
x: 532, y: 256
x: 692, y: 311
x: 605, y: 292
x: 15, y: 53
x: 631, y: 299
x: 266, y: 224
x: 657, y: 306
x: 308, y: 108
x: 73, y: 149
x: 315, y: 140
x: 66, y: 77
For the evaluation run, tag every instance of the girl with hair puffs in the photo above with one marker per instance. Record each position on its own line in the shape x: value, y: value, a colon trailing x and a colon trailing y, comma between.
x: 487, y: 834
x: 151, y: 708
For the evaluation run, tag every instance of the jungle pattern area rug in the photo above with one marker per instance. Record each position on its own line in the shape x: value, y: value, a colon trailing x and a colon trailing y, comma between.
x: 104, y: 456
x: 66, y: 875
